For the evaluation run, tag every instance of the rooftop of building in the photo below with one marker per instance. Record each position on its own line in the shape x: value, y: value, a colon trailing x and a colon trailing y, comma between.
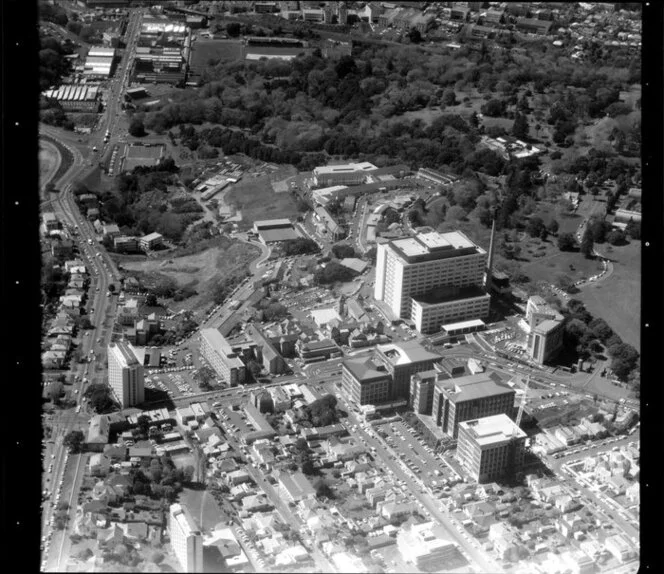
x: 464, y: 324
x: 355, y: 264
x: 472, y: 387
x: 366, y: 369
x: 344, y: 168
x: 434, y: 245
x: 283, y: 234
x: 272, y: 223
x: 126, y: 351
x: 219, y: 343
x: 491, y: 430
x: 184, y: 519
x: 406, y: 353
x: 547, y: 326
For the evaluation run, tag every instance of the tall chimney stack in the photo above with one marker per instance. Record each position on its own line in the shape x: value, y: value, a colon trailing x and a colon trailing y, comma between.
x: 489, y: 268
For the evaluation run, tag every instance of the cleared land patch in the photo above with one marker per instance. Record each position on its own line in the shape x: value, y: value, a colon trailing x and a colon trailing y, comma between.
x: 202, y: 271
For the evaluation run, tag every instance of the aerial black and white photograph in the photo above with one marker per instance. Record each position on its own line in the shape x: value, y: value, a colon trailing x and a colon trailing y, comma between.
x: 340, y: 286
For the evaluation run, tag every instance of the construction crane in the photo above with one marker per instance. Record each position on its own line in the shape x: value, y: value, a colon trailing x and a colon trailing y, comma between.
x: 523, y: 403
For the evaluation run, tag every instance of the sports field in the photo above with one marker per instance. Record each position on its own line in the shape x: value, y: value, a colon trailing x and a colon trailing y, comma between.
x: 206, y: 50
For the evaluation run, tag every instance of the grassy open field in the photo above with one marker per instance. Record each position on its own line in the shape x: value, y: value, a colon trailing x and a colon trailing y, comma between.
x: 555, y: 262
x: 617, y: 299
x: 205, y: 50
x: 201, y: 270
x: 257, y: 200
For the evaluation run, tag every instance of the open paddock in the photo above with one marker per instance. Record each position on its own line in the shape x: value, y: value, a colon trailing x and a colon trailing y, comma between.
x: 257, y: 200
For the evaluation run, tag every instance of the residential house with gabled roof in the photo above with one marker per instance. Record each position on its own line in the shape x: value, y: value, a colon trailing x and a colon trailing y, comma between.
x: 392, y: 510
x: 294, y: 486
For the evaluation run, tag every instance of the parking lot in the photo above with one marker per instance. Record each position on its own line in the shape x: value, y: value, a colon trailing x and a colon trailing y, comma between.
x: 176, y: 382
x: 416, y: 455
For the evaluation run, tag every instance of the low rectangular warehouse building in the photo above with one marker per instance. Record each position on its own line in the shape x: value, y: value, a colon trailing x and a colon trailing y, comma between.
x: 75, y: 98
x: 275, y: 230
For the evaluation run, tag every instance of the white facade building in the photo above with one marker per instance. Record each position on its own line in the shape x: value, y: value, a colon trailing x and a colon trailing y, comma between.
x: 126, y: 374
x: 186, y: 538
x: 432, y: 278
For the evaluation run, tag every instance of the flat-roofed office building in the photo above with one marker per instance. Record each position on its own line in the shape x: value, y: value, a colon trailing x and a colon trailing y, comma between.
x: 491, y: 447
x: 366, y: 381
x: 126, y: 374
x: 432, y: 278
x: 221, y: 356
x: 470, y: 397
x: 385, y: 376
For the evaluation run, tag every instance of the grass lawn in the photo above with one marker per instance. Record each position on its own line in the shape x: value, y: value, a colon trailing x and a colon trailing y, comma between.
x: 217, y: 49
x: 617, y: 298
x: 203, y: 507
x: 48, y: 161
x: 554, y: 262
x: 201, y: 270
x: 257, y: 200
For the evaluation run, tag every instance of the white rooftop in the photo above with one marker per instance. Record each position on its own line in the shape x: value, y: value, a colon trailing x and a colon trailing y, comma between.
x: 323, y: 316
x: 424, y: 243
x: 410, y: 246
x: 348, y: 167
x: 491, y: 430
x: 463, y: 324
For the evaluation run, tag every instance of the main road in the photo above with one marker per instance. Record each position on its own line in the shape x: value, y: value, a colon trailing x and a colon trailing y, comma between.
x: 101, y: 307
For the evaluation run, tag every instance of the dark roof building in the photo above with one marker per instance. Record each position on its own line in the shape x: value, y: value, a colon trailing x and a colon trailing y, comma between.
x: 534, y: 26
